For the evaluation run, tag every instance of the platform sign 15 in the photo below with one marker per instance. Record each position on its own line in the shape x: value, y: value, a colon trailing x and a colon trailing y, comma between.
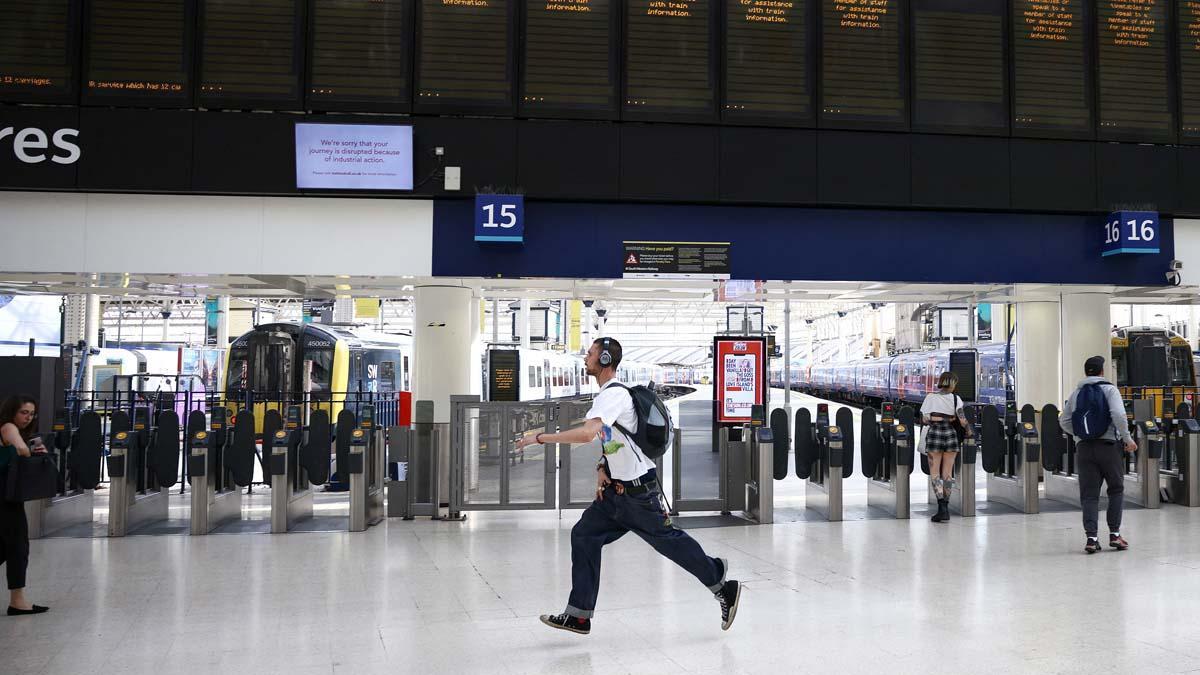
x: 500, y: 218
x: 1131, y: 232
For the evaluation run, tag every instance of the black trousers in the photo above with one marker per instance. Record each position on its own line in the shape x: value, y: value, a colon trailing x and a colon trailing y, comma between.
x: 14, y: 542
x: 1095, y: 462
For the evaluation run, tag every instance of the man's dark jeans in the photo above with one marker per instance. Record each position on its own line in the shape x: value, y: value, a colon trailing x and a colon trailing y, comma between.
x: 1096, y: 461
x: 606, y: 521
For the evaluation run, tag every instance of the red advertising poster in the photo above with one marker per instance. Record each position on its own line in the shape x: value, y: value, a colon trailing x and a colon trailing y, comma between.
x: 739, y: 368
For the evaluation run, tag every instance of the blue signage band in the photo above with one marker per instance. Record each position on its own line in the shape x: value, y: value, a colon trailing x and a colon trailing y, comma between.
x: 496, y: 238
x: 1128, y: 250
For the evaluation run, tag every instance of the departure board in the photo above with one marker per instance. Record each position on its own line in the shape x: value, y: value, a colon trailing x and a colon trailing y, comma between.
x: 1134, y: 70
x: 1052, y: 75
x: 570, y: 57
x: 960, y: 78
x: 669, y: 59
x: 251, y: 53
x: 37, y: 51
x: 464, y: 54
x: 1188, y: 17
x: 768, y: 60
x: 864, y: 66
x: 139, y: 51
x: 358, y: 54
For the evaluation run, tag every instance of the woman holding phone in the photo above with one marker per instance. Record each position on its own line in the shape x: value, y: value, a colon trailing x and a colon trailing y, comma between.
x: 17, y: 437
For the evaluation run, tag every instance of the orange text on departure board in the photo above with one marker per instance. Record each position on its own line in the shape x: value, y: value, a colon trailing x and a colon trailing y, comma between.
x: 569, y: 6
x: 864, y: 14
x: 767, y: 11
x: 1049, y: 20
x: 1132, y: 23
x: 677, y: 8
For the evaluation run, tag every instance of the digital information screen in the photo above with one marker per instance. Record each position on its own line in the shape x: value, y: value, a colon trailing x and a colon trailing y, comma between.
x: 1134, y: 70
x: 465, y: 53
x: 504, y: 367
x: 354, y: 157
x: 250, y: 52
x: 669, y: 58
x: 358, y: 54
x: 138, y: 50
x: 1052, y: 78
x: 36, y: 50
x: 767, y: 59
x: 864, y: 68
x: 1188, y: 17
x: 570, y: 56
x: 960, y: 79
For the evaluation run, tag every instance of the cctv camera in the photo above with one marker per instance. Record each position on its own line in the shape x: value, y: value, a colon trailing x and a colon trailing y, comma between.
x: 1176, y: 265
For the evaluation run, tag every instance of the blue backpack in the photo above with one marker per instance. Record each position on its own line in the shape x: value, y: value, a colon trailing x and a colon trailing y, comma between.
x: 1091, y: 418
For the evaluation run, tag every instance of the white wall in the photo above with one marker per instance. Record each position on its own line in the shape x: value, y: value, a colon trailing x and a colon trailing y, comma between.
x: 174, y: 234
x: 1187, y: 249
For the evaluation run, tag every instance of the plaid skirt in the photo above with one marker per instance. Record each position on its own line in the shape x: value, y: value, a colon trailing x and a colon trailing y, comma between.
x: 940, y: 437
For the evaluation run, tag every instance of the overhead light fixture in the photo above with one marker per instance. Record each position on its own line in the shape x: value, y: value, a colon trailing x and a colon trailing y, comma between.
x: 341, y: 287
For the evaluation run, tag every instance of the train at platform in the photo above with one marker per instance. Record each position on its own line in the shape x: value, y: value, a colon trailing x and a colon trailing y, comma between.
x: 1148, y: 362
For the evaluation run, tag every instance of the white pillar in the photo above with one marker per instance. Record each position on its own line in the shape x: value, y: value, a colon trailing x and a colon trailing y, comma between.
x: 1086, y: 332
x: 787, y: 356
x: 523, y: 322
x: 223, y: 322
x: 442, y: 337
x: 1037, y: 362
x: 91, y: 331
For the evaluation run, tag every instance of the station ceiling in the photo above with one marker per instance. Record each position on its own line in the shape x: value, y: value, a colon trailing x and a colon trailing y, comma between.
x: 621, y: 290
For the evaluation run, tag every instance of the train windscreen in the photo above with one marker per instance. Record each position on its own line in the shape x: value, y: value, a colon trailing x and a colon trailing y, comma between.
x: 1180, y: 367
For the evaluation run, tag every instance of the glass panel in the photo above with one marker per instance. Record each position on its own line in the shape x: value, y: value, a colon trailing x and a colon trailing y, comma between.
x: 482, y: 470
x: 584, y: 457
x: 700, y: 463
x: 526, y: 467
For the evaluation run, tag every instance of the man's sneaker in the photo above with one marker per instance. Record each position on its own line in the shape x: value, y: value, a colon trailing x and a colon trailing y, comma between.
x: 1093, y: 545
x: 729, y: 596
x: 565, y: 621
x: 1118, y: 542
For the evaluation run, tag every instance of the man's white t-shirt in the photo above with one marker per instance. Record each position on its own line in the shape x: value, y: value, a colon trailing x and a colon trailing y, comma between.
x: 613, y: 405
x: 947, y: 404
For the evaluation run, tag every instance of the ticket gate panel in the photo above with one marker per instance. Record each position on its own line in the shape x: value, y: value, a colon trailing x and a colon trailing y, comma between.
x: 291, y: 499
x: 212, y: 506
x: 1019, y: 490
x: 1142, y: 484
x: 823, y: 490
x: 164, y: 453
x: 872, y: 446
x: 845, y: 422
x: 87, y: 448
x: 887, y: 482
x: 805, y: 444
x: 238, y: 457
x: 1059, y: 480
x: 1184, y: 484
x: 781, y: 443
x: 314, y: 453
x: 129, y: 508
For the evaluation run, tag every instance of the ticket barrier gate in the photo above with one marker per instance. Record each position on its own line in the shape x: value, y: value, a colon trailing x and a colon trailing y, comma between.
x: 291, y: 494
x: 1012, y: 458
x: 1182, y: 483
x: 824, y: 457
x: 365, y: 466
x: 1060, y: 482
x: 887, y: 459
x: 1142, y: 482
x: 760, y: 474
x: 78, y: 453
x: 135, y: 499
x: 216, y: 498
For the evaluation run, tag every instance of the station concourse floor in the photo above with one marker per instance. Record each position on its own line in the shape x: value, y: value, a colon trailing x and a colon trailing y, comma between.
x: 1004, y: 593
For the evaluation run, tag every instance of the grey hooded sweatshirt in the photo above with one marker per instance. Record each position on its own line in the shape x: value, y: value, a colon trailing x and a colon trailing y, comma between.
x: 1118, y: 430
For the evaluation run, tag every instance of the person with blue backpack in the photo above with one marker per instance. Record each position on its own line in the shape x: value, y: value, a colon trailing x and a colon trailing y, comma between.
x: 1095, y: 416
x: 634, y: 428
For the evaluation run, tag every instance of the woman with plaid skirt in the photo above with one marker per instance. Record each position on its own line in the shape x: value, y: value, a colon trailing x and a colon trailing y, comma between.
x: 938, y: 412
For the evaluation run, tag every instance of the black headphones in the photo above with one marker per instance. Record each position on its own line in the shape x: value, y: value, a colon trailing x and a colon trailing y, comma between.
x: 605, y: 356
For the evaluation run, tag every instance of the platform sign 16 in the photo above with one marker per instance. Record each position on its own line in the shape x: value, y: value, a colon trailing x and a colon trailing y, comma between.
x: 1131, y: 232
x: 500, y: 218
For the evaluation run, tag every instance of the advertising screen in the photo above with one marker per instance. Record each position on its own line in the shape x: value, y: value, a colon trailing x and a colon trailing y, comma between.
x: 740, y: 368
x: 354, y: 157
